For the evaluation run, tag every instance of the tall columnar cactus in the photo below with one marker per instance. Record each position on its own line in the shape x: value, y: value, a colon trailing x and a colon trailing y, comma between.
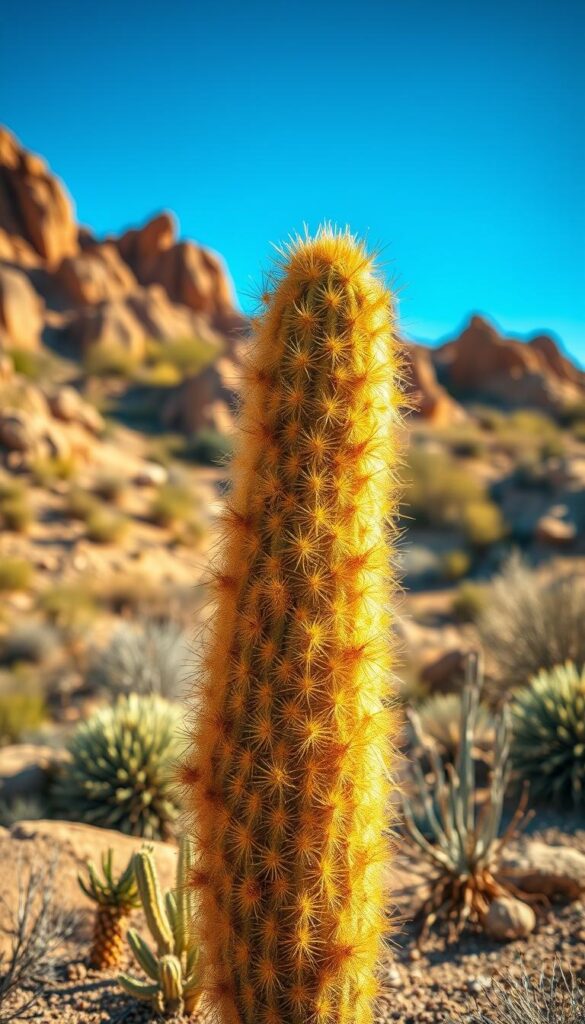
x: 287, y: 776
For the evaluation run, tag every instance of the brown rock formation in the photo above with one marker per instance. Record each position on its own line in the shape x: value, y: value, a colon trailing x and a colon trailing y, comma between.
x: 428, y: 398
x: 95, y: 275
x: 482, y: 364
x: 206, y: 400
x: 34, y: 206
x: 21, y: 310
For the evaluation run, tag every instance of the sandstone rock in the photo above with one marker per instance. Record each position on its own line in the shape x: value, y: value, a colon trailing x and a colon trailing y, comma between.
x: 191, y: 275
x: 205, y: 400
x: 151, y: 474
x: 33, y: 204
x: 548, y: 870
x: 509, y: 919
x: 429, y: 399
x: 482, y: 364
x: 95, y: 275
x: 73, y: 844
x: 21, y: 310
x: 555, y: 531
x: 66, y: 404
x: 26, y: 769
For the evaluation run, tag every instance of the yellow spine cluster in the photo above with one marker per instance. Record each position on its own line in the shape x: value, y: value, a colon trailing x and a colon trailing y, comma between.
x: 287, y: 775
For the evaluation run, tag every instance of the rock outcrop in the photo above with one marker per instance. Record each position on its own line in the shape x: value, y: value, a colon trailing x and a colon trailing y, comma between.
x: 207, y: 400
x: 427, y: 398
x: 35, y: 209
x: 483, y: 365
x: 21, y: 310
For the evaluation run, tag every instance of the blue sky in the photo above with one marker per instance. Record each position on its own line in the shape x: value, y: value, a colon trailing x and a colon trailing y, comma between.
x: 451, y: 134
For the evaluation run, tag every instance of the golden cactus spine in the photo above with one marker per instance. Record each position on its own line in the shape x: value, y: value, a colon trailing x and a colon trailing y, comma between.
x: 287, y: 775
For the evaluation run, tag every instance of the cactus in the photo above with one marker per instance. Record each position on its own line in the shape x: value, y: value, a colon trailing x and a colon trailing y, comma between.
x: 548, y: 745
x: 286, y: 776
x: 119, y: 775
x: 114, y: 900
x: 465, y: 845
x: 174, y: 986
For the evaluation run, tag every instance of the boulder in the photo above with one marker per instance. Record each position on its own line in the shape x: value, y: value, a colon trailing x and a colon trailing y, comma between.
x: 67, y: 405
x: 21, y: 310
x: 555, y: 531
x: 206, y: 400
x: 552, y: 871
x: 34, y: 206
x: 95, y: 275
x: 509, y: 919
x: 26, y: 769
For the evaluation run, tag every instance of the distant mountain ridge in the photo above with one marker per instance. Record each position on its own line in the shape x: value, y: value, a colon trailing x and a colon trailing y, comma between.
x: 60, y: 285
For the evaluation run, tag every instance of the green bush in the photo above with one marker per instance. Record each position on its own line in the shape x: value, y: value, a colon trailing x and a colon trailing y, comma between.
x: 22, y: 709
x: 455, y: 564
x: 172, y: 504
x: 15, y: 574
x: 68, y: 605
x: 15, y: 510
x: 469, y: 601
x: 46, y: 471
x: 120, y: 774
x: 437, y: 489
x: 548, y: 746
x: 105, y: 527
x: 111, y: 361
x: 482, y: 523
x: 187, y: 356
x: 80, y: 504
x: 29, y: 364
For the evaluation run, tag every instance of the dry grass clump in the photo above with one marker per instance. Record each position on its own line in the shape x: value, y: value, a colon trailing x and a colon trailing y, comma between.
x: 469, y: 601
x: 47, y: 470
x: 554, y: 998
x: 144, y: 657
x: 172, y: 504
x: 22, y: 707
x: 530, y: 625
x: 35, y: 931
x: 106, y: 527
x: 15, y: 510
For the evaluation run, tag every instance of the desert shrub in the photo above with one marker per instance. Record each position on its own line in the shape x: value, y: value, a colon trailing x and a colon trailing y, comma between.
x: 161, y: 374
x: 35, y: 928
x: 146, y: 657
x: 31, y: 642
x: 529, y: 624
x: 109, y: 487
x: 80, y: 504
x: 548, y: 746
x: 47, y: 470
x: 458, y: 835
x: 455, y: 564
x: 15, y: 574
x: 172, y: 503
x: 469, y: 601
x: 68, y: 605
x: 15, y: 510
x: 22, y: 709
x: 209, y: 448
x: 186, y: 355
x: 482, y: 523
x: 27, y: 363
x: 121, y: 770
x: 554, y: 998
x: 439, y: 718
x: 437, y: 489
x: 527, y: 428
x: 105, y: 527
x: 110, y: 361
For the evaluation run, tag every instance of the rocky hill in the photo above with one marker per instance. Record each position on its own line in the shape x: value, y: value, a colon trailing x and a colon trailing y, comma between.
x: 108, y: 300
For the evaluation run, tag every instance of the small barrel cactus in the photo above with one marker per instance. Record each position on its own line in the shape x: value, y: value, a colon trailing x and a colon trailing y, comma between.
x: 120, y: 770
x: 175, y: 985
x: 114, y: 899
x: 548, y: 744
x: 287, y: 776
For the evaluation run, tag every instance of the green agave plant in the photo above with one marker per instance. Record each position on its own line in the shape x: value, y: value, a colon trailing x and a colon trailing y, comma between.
x: 548, y: 746
x: 120, y: 770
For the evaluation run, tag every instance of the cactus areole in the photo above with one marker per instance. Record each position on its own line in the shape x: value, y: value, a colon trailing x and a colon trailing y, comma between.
x: 286, y: 778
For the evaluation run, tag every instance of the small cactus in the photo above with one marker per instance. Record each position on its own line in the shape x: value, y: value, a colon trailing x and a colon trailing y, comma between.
x: 175, y: 985
x: 548, y: 744
x: 120, y: 772
x: 114, y: 899
x: 286, y: 775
